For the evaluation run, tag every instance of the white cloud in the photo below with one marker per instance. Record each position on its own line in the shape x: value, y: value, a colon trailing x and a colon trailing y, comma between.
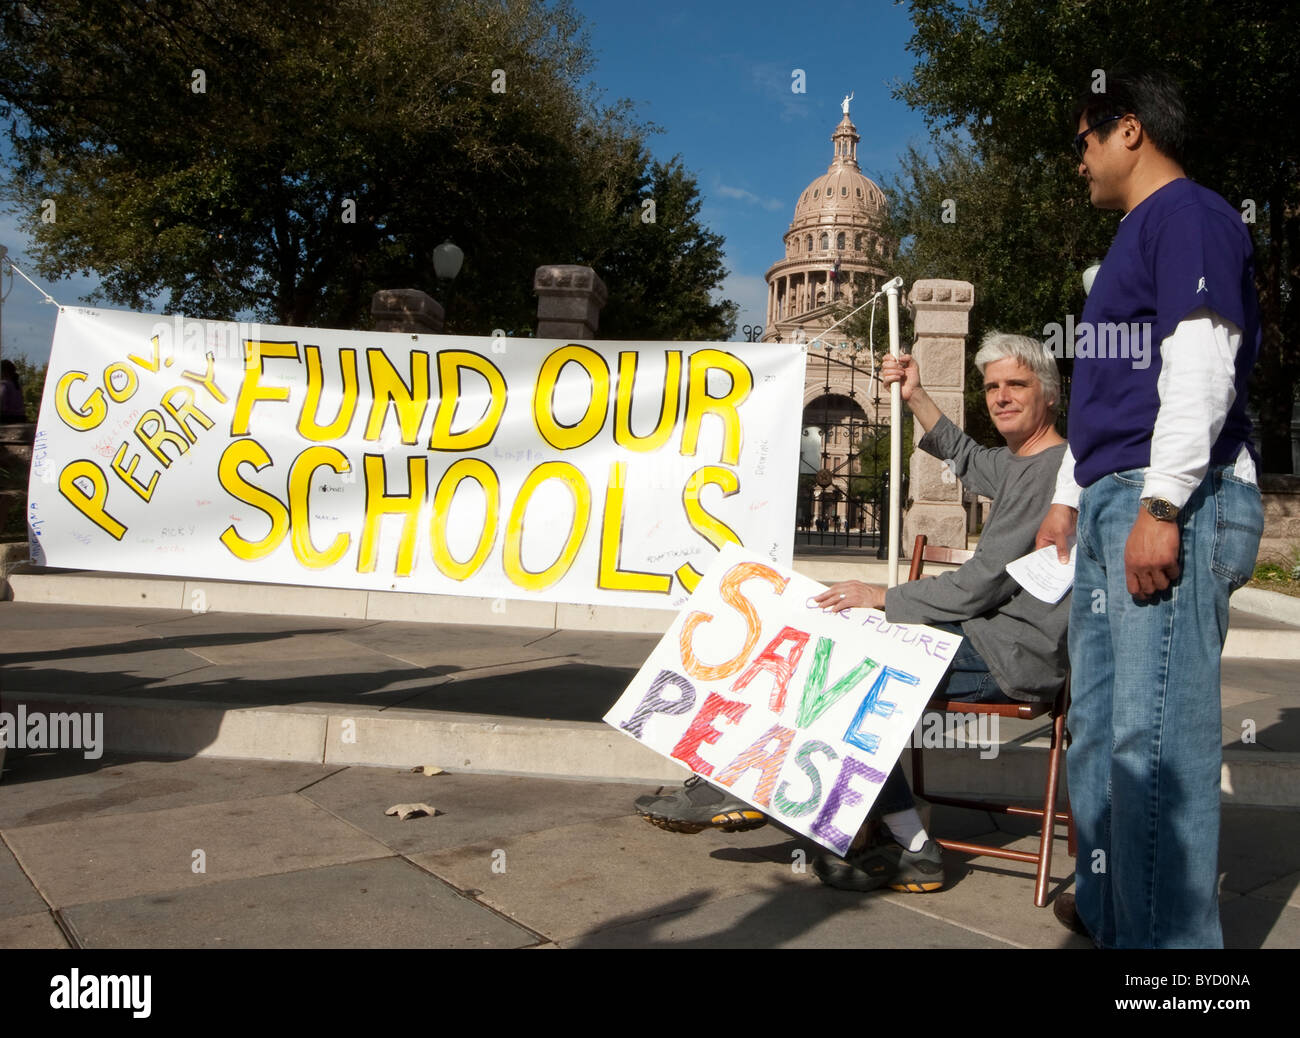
x: 750, y: 292
x: 773, y: 80
x: 770, y: 204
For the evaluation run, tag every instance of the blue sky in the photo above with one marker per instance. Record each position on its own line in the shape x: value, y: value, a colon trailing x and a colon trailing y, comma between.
x: 717, y: 78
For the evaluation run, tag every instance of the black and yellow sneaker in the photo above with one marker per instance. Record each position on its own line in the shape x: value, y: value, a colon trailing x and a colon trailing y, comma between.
x: 885, y: 864
x: 697, y: 806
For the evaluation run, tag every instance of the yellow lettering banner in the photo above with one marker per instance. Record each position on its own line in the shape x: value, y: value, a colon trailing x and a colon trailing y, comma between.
x: 584, y: 472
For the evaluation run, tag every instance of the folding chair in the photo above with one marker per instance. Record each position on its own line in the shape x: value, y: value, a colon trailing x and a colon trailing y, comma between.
x: 1056, y: 711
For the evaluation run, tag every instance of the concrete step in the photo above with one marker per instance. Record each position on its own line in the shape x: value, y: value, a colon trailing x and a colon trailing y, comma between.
x: 1264, y: 625
x: 29, y: 583
x: 1010, y: 768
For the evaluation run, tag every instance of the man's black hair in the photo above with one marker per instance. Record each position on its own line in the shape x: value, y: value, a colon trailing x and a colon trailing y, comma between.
x: 1153, y: 96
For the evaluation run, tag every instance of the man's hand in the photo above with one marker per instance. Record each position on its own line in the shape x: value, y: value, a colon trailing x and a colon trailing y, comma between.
x: 903, y: 370
x: 1057, y: 528
x: 1151, y: 556
x: 848, y: 594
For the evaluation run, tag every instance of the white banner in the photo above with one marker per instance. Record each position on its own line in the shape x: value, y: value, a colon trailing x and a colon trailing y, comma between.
x: 800, y: 712
x: 597, y: 472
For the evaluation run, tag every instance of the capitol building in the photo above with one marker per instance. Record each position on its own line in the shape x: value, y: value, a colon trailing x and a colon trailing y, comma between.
x: 834, y: 255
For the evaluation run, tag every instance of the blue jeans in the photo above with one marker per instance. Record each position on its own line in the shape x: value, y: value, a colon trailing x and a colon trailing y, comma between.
x: 967, y: 681
x: 1145, y: 714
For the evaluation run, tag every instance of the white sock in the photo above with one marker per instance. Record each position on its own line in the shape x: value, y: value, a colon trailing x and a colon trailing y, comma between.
x: 906, y: 828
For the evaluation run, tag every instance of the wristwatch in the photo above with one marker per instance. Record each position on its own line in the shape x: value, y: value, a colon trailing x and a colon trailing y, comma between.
x: 1159, y: 508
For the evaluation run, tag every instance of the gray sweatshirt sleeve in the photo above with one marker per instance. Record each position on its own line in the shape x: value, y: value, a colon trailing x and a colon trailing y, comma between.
x: 980, y: 469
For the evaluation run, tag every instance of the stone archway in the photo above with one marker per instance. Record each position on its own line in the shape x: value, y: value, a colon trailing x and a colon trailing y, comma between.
x: 835, y: 497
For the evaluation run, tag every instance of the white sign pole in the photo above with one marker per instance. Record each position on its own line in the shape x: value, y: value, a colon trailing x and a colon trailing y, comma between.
x: 895, y: 436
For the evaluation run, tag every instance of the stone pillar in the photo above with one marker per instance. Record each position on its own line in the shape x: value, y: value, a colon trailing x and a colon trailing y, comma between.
x: 16, y: 440
x: 941, y: 312
x: 569, y: 301
x: 406, y: 310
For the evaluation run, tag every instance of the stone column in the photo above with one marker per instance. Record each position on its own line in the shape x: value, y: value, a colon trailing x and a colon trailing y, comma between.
x: 15, y: 465
x: 406, y: 310
x: 569, y: 301
x: 941, y: 312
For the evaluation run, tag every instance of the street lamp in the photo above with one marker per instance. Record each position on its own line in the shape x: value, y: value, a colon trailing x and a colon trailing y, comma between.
x: 752, y: 331
x: 447, y: 259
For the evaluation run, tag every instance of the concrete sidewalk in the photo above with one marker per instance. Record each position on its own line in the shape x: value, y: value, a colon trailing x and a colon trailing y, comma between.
x: 297, y: 851
x: 129, y: 853
x: 522, y: 700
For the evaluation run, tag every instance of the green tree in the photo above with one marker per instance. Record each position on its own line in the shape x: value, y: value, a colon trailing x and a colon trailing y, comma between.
x: 664, y: 263
x: 31, y: 377
x: 1004, y: 229
x: 1003, y: 76
x: 289, y: 158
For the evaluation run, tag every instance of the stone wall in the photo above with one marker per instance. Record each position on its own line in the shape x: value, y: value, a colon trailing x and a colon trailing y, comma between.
x: 569, y: 300
x: 15, y: 464
x: 406, y: 310
x: 1281, y: 543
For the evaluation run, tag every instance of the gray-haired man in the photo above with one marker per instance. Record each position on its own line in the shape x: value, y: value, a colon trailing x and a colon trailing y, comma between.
x: 1014, y: 644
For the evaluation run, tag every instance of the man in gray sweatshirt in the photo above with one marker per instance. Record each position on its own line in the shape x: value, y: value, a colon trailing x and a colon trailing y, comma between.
x: 1015, y: 645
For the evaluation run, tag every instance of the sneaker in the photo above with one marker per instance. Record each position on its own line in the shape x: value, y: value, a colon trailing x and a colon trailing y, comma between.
x: 886, y: 864
x: 698, y: 806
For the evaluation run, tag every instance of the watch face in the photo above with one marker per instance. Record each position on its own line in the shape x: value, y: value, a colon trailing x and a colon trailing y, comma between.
x: 1160, y: 508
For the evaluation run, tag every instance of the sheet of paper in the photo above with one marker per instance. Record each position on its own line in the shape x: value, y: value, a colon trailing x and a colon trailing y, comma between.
x: 1042, y: 575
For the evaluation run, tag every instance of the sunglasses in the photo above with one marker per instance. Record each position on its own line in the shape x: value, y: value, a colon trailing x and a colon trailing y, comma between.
x: 1080, y: 139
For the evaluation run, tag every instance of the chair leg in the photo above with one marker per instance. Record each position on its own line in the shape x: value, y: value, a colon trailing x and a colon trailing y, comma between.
x: 1049, y: 813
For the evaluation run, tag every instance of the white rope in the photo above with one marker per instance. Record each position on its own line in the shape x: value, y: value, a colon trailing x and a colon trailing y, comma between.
x: 870, y: 301
x: 48, y: 298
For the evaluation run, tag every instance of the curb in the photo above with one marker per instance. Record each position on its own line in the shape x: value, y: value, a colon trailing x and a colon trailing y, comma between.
x: 1269, y: 605
x: 541, y: 749
x: 98, y: 588
x: 38, y: 584
x: 86, y: 588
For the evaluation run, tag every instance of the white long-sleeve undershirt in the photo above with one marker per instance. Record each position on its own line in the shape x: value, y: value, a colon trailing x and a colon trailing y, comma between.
x: 1196, y: 390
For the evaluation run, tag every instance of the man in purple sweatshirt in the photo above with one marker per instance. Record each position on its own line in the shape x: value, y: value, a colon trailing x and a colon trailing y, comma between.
x: 1159, y: 485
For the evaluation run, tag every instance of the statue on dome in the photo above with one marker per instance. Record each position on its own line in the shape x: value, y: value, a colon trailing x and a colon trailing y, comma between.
x: 844, y: 105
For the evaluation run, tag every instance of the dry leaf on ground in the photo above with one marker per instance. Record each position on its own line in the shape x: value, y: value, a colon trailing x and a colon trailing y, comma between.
x: 405, y: 811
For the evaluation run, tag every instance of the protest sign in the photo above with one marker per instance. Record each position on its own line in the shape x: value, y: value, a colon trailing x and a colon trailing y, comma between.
x: 800, y: 712
x: 600, y: 472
